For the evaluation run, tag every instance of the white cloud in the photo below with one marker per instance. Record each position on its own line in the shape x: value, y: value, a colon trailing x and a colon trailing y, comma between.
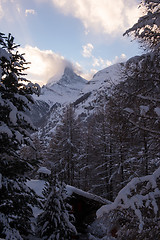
x: 97, y: 62
x: 45, y: 64
x: 89, y: 74
x: 87, y: 50
x: 30, y: 11
x: 100, y: 63
x: 117, y: 59
x: 105, y: 16
x: 106, y: 63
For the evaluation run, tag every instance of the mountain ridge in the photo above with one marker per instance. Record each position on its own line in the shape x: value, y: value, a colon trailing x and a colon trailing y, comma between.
x: 75, y: 90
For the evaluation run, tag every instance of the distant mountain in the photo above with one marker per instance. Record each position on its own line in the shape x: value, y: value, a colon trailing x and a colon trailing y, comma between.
x: 70, y: 78
x: 56, y: 95
x: 66, y: 90
x: 73, y: 89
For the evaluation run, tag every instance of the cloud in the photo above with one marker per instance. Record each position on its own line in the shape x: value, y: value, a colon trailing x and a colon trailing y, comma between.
x: 122, y: 58
x: 45, y: 64
x: 102, y: 63
x: 87, y: 50
x: 103, y: 16
x: 30, y: 11
x: 89, y: 74
x: 99, y: 62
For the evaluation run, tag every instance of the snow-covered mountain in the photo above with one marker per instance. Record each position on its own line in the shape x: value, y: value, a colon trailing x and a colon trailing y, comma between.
x: 66, y: 90
x: 56, y: 95
x: 73, y: 89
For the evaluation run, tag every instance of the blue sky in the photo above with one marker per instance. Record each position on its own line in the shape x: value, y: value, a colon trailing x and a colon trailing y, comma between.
x: 84, y: 34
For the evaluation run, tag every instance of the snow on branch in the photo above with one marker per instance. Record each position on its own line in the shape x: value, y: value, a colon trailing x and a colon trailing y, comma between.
x: 139, y: 194
x: 10, y: 233
x: 4, y: 129
x: 144, y: 128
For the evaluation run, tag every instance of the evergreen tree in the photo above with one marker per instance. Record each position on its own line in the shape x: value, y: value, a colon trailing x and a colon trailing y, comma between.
x: 142, y: 86
x: 140, y: 106
x: 15, y: 96
x: 146, y: 30
x: 55, y: 222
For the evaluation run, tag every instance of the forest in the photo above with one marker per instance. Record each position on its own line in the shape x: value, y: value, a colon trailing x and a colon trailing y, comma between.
x: 113, y: 153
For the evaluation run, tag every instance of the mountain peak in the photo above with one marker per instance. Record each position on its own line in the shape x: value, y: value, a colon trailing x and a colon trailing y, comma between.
x: 68, y: 71
x: 70, y: 77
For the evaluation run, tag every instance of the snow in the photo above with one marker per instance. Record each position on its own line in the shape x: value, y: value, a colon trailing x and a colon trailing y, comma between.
x: 22, y: 116
x: 83, y: 94
x: 157, y: 111
x: 129, y: 110
x: 21, y: 98
x: 66, y: 90
x: 44, y: 170
x: 13, y: 114
x: 38, y: 186
x: 128, y: 198
x: 18, y: 136
x: 71, y: 190
x: 143, y: 110
x: 5, y: 54
x: 71, y: 87
x: 11, y: 233
x: 4, y: 129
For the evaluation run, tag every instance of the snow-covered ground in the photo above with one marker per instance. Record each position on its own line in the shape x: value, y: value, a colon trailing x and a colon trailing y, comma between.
x: 37, y: 186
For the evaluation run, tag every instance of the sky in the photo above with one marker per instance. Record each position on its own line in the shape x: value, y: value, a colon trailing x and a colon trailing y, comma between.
x: 86, y: 35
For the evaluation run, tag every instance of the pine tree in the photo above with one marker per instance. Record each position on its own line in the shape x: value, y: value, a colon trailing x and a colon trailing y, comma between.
x: 142, y: 84
x: 140, y: 106
x: 15, y: 97
x: 55, y: 222
x: 146, y: 30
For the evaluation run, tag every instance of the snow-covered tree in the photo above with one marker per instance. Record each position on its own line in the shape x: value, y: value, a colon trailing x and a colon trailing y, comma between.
x: 15, y: 96
x: 135, y: 212
x: 63, y: 148
x: 147, y: 29
x: 55, y: 222
x: 100, y: 159
x: 141, y: 106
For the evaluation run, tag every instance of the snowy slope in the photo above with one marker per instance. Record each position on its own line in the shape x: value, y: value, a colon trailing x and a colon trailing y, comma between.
x: 105, y: 78
x: 71, y: 88
x: 101, y: 84
x: 66, y: 90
